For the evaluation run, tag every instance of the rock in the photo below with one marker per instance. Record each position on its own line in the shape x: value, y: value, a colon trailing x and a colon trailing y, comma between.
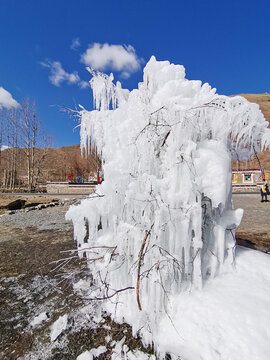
x: 32, y: 204
x: 41, y: 206
x: 16, y: 205
x: 51, y: 204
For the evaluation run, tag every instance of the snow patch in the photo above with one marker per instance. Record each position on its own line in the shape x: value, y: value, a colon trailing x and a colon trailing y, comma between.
x: 92, y: 354
x: 58, y: 327
x: 39, y: 319
x: 229, y: 319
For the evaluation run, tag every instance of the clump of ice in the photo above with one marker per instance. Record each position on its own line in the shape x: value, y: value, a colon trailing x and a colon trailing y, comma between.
x: 162, y: 222
x: 39, y: 319
x: 58, y: 327
x: 139, y: 355
x: 92, y: 354
x: 119, y: 351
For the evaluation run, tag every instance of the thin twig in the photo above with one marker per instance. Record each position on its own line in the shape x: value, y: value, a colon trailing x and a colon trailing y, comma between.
x: 162, y: 107
x: 109, y: 296
x: 139, y: 267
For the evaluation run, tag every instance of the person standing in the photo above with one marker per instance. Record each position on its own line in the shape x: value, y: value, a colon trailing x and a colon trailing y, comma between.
x: 264, y: 192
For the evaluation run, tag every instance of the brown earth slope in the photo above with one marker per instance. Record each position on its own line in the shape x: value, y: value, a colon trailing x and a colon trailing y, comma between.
x: 53, y: 164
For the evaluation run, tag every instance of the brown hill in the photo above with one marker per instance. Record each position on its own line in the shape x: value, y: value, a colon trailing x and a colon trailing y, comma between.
x: 52, y: 164
x: 62, y: 161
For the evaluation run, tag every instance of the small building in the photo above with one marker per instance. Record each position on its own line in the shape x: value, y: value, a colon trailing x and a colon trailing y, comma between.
x: 248, y: 180
x: 65, y: 187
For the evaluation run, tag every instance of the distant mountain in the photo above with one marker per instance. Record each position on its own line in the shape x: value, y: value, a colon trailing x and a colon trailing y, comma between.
x: 61, y: 161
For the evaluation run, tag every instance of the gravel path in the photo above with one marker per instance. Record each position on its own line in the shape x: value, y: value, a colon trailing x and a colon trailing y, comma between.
x: 51, y: 218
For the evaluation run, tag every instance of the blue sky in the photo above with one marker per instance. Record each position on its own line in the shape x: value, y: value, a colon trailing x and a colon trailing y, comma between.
x: 45, y: 46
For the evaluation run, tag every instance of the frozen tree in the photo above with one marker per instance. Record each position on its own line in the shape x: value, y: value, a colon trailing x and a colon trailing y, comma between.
x: 162, y: 222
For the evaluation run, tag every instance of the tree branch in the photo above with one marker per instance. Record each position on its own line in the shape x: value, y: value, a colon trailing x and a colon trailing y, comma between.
x: 139, y: 267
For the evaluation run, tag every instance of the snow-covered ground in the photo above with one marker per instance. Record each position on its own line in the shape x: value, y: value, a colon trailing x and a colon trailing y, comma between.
x: 229, y: 319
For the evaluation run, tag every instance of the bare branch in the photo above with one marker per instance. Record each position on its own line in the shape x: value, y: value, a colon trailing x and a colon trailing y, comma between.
x: 139, y: 267
x: 109, y: 296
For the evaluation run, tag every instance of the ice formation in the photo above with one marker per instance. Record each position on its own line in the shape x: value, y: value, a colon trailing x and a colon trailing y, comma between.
x: 162, y: 222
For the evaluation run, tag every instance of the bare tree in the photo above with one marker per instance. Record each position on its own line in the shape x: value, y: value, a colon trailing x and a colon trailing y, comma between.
x: 34, y: 141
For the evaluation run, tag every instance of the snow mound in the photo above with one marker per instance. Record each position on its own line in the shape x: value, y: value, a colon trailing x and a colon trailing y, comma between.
x: 229, y: 319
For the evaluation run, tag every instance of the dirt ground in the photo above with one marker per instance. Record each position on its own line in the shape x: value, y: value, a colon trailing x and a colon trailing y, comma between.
x: 32, y: 281
x: 28, y: 285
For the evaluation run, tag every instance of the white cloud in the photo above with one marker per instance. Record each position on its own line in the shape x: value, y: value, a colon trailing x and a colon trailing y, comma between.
x: 125, y: 74
x: 59, y: 75
x: 114, y: 57
x: 75, y: 44
x: 83, y: 84
x: 6, y: 99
